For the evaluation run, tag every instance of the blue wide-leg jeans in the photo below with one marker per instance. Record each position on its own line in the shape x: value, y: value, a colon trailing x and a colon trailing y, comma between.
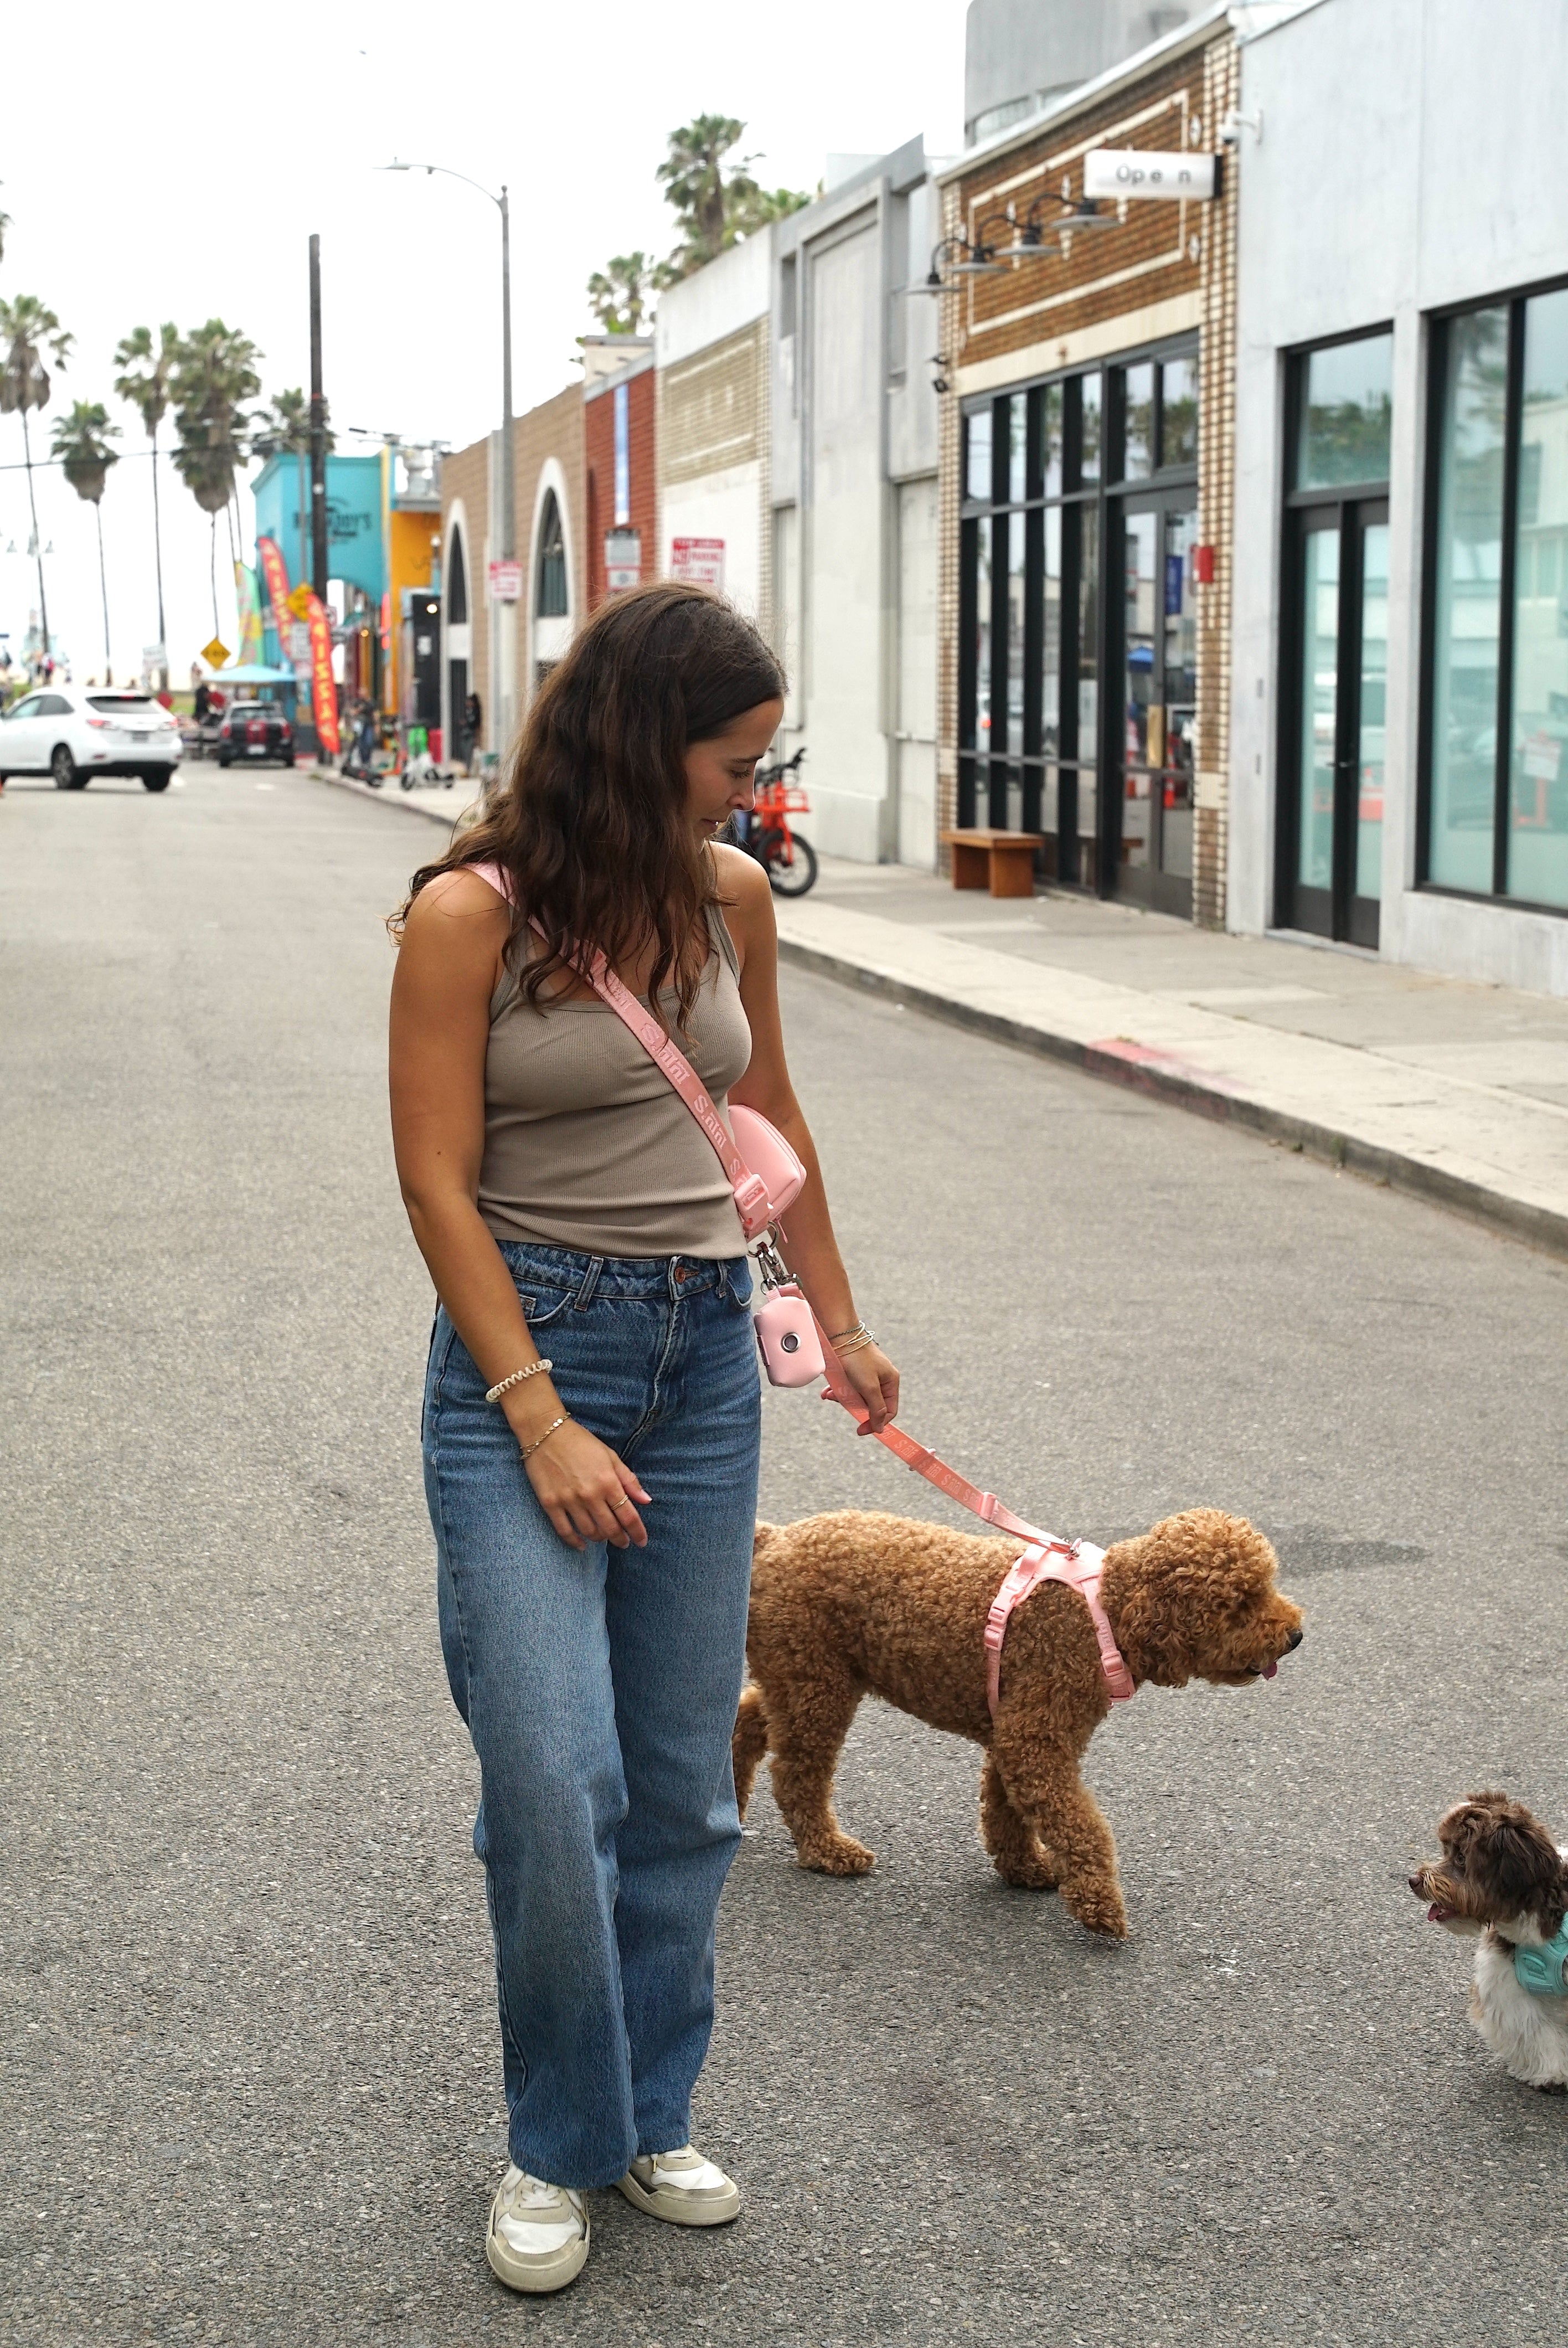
x: 600, y: 1688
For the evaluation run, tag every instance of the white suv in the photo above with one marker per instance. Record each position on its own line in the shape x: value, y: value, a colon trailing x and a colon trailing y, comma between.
x: 73, y: 734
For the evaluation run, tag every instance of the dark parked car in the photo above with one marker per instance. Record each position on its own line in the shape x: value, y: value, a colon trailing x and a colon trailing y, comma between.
x: 254, y: 732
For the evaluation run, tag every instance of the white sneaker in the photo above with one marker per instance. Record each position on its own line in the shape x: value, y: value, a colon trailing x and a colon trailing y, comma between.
x: 683, y: 2187
x: 538, y: 2236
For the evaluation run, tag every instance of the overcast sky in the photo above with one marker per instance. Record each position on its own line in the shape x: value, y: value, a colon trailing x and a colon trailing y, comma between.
x: 195, y: 155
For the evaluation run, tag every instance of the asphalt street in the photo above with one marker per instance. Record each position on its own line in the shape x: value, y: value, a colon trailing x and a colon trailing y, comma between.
x: 250, y: 2079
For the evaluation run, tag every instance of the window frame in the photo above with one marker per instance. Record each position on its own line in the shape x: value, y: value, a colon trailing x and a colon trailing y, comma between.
x: 1349, y: 500
x: 548, y: 552
x: 1437, y: 323
x: 978, y: 791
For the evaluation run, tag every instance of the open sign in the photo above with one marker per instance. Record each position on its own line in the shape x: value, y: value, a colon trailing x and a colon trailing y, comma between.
x: 1145, y: 172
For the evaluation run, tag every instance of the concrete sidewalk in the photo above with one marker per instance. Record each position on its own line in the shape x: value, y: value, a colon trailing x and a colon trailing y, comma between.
x: 1455, y: 1092
x: 1458, y: 1093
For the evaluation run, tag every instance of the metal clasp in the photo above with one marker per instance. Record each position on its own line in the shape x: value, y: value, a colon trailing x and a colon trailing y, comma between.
x: 772, y: 1266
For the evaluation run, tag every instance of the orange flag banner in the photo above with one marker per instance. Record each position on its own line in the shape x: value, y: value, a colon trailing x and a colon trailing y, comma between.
x: 275, y: 573
x: 323, y: 686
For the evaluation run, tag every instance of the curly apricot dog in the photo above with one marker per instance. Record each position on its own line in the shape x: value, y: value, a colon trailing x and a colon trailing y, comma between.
x: 859, y: 1604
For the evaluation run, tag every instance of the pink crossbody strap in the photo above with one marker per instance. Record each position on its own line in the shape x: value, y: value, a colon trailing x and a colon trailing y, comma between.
x: 751, y: 1201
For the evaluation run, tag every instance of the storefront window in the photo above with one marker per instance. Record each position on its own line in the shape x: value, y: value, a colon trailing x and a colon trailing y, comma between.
x: 1017, y: 447
x: 1496, y: 670
x: 1138, y: 423
x: 977, y: 455
x: 1040, y: 540
x: 1088, y: 405
x: 1178, y: 413
x: 1050, y: 638
x: 1347, y: 408
x: 1538, y: 790
x: 1048, y: 482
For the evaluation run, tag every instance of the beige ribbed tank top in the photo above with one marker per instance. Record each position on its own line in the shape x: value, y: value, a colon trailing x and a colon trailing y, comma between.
x: 587, y: 1146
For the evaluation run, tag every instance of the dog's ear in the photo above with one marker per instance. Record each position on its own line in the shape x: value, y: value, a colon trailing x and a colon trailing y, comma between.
x: 1507, y: 1857
x: 1192, y: 1580
x: 1220, y: 1564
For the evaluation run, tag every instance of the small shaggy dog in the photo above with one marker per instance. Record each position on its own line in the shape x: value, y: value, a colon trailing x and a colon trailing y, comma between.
x: 1502, y: 1876
x: 859, y: 1604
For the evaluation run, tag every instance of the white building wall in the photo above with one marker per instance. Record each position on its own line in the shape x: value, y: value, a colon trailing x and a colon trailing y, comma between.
x: 1412, y: 157
x: 854, y: 426
x: 843, y: 532
x: 727, y: 505
x: 712, y: 303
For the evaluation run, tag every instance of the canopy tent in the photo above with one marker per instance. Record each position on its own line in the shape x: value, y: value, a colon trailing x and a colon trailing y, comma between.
x: 253, y: 674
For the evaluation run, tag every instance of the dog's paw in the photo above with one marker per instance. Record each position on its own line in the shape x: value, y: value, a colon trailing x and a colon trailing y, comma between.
x: 1026, y: 1871
x: 841, y: 1856
x: 1099, y: 1909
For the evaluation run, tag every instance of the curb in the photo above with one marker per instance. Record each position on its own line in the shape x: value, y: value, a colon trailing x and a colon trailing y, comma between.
x: 1163, y: 1077
x: 395, y: 799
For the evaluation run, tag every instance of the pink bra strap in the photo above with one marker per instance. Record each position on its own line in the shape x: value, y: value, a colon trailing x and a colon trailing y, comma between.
x: 751, y: 1202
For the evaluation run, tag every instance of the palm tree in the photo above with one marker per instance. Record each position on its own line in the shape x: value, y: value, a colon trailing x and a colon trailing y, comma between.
x: 214, y: 376
x: 715, y: 208
x: 29, y: 331
x: 81, y: 443
x: 146, y: 370
x: 618, y: 293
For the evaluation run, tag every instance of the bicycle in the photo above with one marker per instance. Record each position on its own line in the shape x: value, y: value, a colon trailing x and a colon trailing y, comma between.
x: 786, y: 855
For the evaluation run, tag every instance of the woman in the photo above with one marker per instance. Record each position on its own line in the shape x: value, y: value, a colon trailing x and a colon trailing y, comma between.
x: 593, y: 1524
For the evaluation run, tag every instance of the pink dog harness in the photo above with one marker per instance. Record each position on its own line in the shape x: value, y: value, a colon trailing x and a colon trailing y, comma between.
x: 1079, y: 1565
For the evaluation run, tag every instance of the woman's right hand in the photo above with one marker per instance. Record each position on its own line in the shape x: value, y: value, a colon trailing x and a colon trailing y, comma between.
x: 585, y: 1490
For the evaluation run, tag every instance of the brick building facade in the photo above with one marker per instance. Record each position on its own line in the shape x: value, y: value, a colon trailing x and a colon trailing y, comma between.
x: 621, y: 492
x: 1085, y: 488
x: 714, y: 506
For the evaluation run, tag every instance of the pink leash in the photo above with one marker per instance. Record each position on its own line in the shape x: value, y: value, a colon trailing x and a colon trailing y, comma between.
x: 1077, y: 1563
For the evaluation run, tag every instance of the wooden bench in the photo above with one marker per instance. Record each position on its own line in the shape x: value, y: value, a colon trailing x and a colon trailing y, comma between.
x: 1002, y: 861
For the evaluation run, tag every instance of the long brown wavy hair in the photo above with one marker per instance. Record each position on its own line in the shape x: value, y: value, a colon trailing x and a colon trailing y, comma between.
x: 590, y: 819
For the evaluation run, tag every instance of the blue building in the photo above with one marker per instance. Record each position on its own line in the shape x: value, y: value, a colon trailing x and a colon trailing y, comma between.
x: 384, y: 521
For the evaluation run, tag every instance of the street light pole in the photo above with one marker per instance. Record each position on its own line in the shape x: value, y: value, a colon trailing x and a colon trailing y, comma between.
x: 500, y: 700
x: 508, y: 497
x: 503, y: 205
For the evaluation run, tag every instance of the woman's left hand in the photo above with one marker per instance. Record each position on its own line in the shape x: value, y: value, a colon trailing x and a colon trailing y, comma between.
x: 875, y: 1381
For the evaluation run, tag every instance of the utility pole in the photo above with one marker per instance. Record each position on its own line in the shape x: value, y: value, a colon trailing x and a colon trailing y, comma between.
x: 318, y: 433
x: 508, y: 496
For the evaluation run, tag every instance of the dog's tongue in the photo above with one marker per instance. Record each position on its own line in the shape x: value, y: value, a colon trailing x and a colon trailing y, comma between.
x: 1437, y: 1914
x: 1269, y: 1669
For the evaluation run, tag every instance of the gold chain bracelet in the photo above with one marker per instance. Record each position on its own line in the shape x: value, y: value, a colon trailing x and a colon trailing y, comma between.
x: 530, y: 1448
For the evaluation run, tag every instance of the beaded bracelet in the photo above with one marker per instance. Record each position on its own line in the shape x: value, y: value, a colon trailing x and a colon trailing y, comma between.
x: 534, y: 1370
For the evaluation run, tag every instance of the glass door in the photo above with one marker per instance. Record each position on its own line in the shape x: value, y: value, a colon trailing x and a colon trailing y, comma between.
x: 1157, y: 657
x: 1338, y: 639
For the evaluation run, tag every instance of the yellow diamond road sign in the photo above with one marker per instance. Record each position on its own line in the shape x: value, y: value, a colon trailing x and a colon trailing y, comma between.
x: 216, y: 652
x: 300, y: 601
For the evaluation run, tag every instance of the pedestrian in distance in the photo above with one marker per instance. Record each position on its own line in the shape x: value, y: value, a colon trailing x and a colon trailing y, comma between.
x: 473, y: 727
x: 591, y: 1402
